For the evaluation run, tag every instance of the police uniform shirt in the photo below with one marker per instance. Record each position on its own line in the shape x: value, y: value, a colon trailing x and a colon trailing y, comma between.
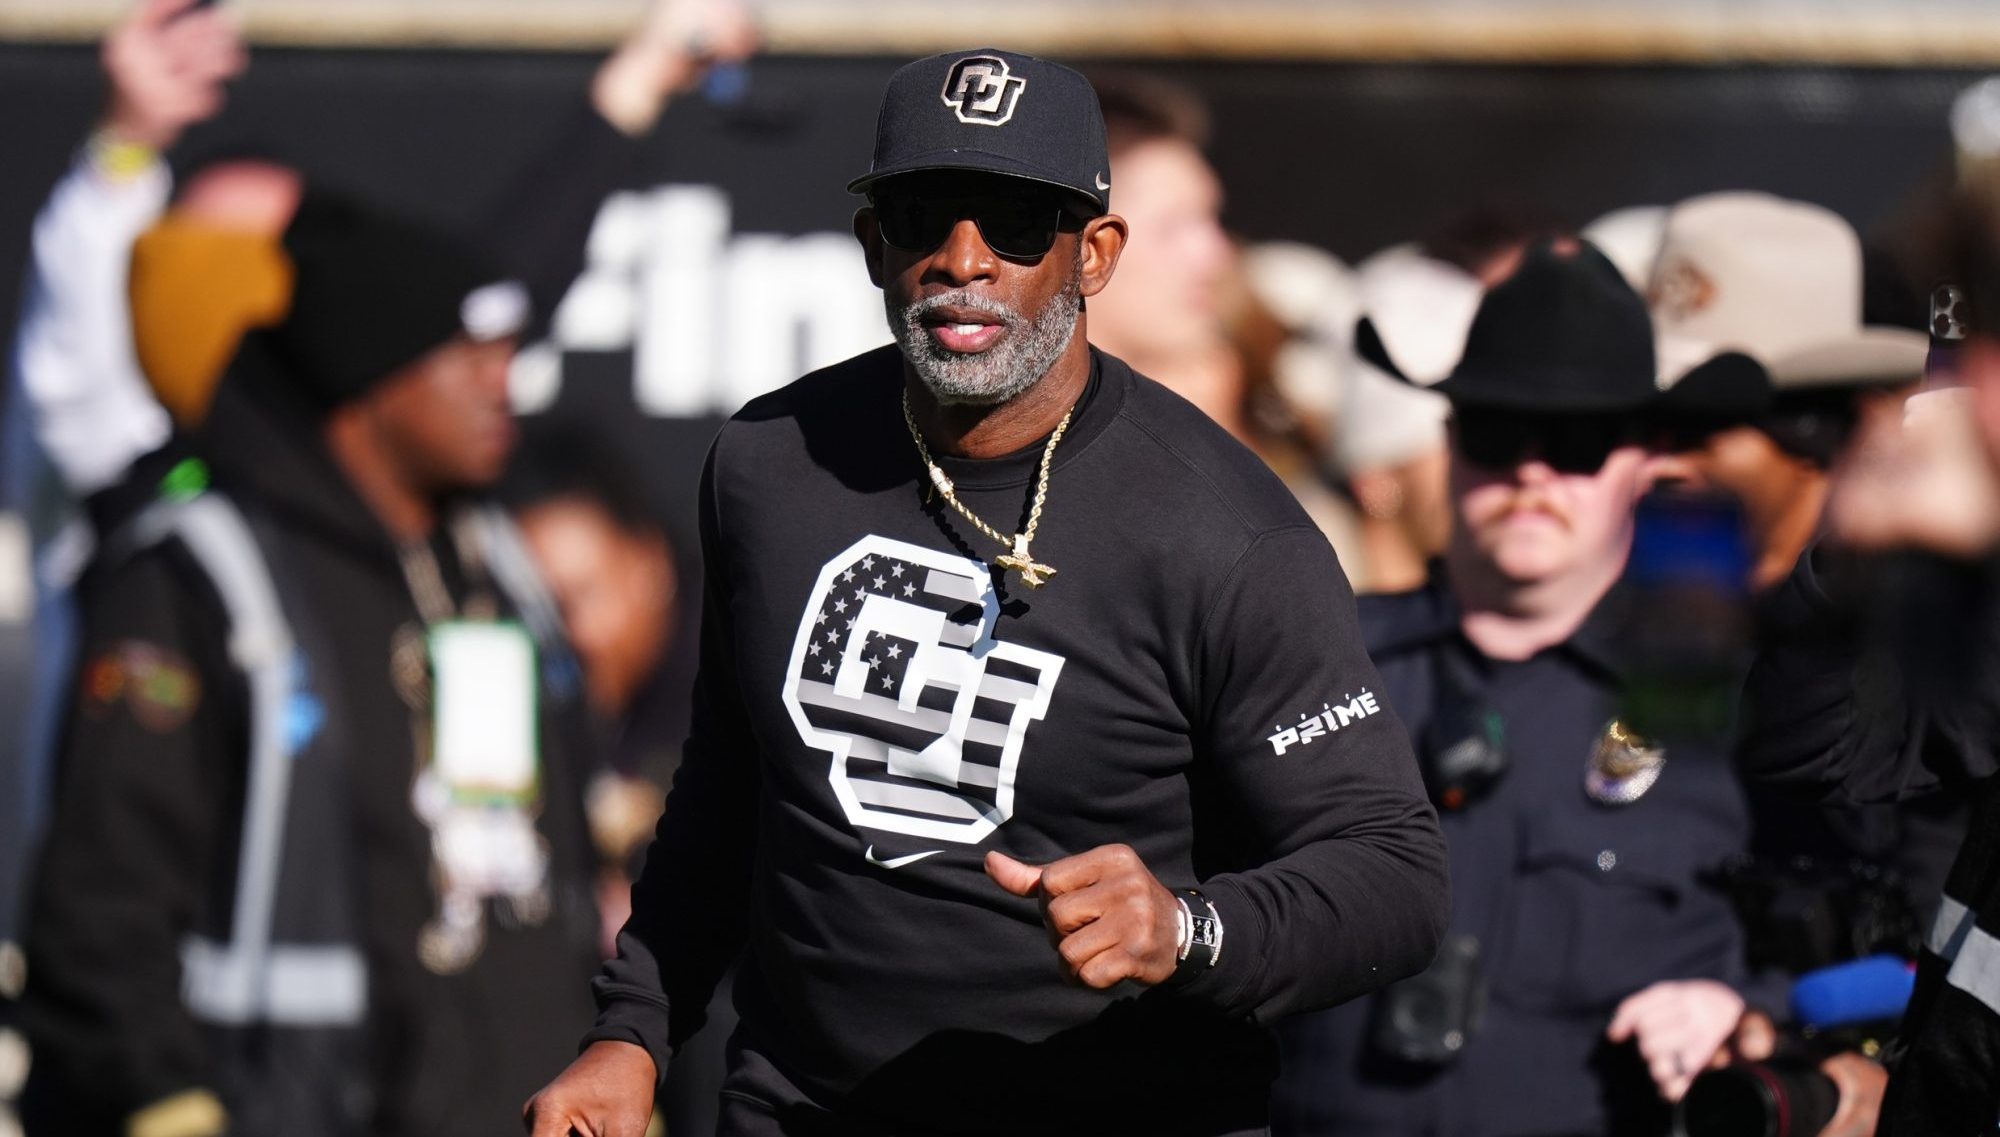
x: 877, y: 708
x: 1575, y: 904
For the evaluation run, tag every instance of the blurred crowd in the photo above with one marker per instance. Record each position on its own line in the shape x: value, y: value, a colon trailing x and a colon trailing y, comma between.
x: 1675, y: 528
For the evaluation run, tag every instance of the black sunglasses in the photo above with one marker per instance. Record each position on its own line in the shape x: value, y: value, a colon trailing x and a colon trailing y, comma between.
x: 1022, y: 229
x: 1573, y: 444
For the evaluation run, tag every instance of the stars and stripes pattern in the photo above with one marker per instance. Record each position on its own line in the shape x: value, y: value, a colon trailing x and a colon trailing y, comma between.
x: 895, y: 672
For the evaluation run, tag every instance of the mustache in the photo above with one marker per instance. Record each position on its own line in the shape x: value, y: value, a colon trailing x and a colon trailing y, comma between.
x: 1536, y: 501
x: 916, y: 310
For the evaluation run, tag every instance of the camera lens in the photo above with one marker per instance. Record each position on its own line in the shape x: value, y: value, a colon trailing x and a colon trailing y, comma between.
x: 1779, y: 1099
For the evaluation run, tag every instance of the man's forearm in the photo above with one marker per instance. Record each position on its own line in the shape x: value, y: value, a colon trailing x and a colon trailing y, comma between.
x: 1331, y: 921
x: 93, y: 412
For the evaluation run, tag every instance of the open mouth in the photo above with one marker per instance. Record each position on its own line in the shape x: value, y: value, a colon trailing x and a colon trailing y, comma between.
x: 965, y: 331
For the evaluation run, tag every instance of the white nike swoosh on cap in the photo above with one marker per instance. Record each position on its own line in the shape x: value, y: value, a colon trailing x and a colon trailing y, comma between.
x: 897, y: 862
x: 1101, y: 183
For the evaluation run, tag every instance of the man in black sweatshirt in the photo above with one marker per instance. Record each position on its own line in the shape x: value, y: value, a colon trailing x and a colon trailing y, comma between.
x: 1036, y: 762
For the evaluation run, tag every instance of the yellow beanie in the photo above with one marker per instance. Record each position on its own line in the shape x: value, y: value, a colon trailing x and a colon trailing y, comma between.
x: 196, y: 290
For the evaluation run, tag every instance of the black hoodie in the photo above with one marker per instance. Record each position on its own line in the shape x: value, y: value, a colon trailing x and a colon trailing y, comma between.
x: 143, y: 841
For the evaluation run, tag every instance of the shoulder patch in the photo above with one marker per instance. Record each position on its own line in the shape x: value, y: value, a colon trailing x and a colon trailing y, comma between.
x: 155, y: 684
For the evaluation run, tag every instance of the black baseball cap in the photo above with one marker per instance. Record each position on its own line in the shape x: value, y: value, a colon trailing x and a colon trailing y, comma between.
x: 996, y: 112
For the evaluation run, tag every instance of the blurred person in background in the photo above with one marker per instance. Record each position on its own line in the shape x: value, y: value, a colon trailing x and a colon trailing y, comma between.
x: 167, y: 65
x: 1391, y: 444
x: 608, y: 566
x: 592, y: 530
x: 1391, y: 441
x: 1877, y: 681
x: 1419, y: 308
x: 1313, y: 300
x: 318, y: 832
x: 1487, y: 241
x: 1830, y: 882
x: 138, y: 295
x: 1189, y: 313
x: 612, y: 572
x: 1274, y: 372
x: 1579, y: 841
x: 1783, y: 282
x: 1166, y: 313
x: 79, y: 411
x: 1373, y: 475
x: 209, y: 270
x: 139, y: 292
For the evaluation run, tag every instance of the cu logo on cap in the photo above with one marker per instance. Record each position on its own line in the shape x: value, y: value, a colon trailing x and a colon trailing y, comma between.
x: 981, y: 91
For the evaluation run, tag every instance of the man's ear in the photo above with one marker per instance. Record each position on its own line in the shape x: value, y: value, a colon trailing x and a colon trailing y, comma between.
x: 869, y: 232
x: 1103, y: 240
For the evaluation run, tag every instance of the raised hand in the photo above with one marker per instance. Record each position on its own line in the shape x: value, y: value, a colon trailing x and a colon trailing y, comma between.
x: 168, y: 64
x: 670, y: 51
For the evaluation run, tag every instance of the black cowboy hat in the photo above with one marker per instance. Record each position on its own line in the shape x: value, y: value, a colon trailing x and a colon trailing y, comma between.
x: 1564, y: 335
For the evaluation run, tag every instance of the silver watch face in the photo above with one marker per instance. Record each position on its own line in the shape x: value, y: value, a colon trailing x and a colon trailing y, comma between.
x: 1204, y: 932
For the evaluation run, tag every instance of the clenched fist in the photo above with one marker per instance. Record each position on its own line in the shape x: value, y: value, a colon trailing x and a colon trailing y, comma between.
x: 1112, y: 919
x: 606, y: 1092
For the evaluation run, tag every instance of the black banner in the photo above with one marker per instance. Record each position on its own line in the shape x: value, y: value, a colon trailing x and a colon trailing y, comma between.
x: 728, y: 269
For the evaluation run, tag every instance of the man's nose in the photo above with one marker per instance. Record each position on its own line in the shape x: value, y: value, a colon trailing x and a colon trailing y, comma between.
x: 494, y: 371
x: 964, y: 256
x: 1534, y: 470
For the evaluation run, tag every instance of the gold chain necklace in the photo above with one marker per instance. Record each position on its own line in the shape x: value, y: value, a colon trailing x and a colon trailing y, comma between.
x: 1032, y: 574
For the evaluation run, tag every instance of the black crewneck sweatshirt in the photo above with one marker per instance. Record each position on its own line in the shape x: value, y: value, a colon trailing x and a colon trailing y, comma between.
x: 876, y: 708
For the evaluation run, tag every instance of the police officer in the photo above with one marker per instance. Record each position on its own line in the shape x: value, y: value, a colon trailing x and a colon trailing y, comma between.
x: 1584, y: 952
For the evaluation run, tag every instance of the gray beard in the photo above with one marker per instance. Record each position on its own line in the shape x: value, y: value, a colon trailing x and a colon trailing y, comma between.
x: 1026, y: 351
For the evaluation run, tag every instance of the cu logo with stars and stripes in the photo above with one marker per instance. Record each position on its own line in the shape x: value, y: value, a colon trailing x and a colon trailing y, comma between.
x: 896, y: 674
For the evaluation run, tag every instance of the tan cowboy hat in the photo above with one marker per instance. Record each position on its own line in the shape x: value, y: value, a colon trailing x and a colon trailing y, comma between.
x: 1779, y: 280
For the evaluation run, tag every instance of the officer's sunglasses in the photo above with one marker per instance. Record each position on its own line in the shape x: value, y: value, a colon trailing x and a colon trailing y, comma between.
x: 1572, y: 444
x: 1017, y: 228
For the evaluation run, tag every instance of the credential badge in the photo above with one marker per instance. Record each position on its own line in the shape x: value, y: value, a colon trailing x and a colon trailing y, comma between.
x: 981, y: 91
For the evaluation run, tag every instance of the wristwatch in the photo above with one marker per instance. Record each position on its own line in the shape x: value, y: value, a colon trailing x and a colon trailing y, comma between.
x: 1201, y: 932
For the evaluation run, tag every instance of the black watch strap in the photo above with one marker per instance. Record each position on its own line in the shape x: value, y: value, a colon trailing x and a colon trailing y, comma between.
x: 1203, y: 948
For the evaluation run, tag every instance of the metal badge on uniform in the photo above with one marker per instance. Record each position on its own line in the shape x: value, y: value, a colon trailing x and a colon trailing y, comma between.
x: 1623, y: 766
